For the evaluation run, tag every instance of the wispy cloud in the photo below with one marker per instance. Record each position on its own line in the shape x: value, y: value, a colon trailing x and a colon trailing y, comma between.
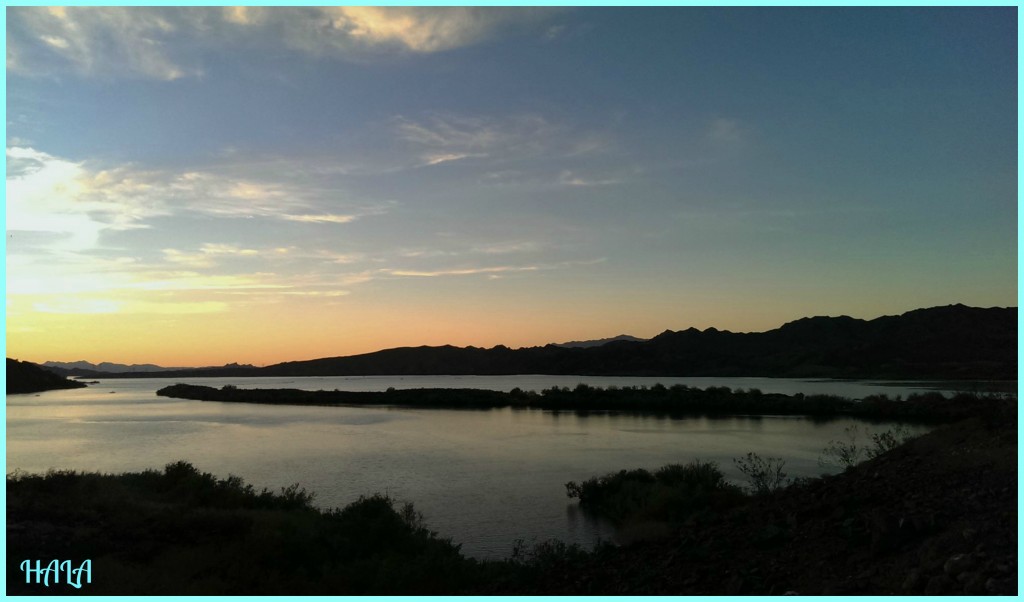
x: 63, y: 255
x: 80, y: 306
x: 78, y: 202
x: 442, y: 137
x: 487, y: 270
x: 415, y: 29
x: 210, y: 254
x: 437, y: 159
x: 95, y: 41
x: 569, y: 178
x: 725, y: 132
x: 167, y: 43
x: 509, y: 247
x: 461, y: 271
x: 324, y: 218
x: 50, y: 194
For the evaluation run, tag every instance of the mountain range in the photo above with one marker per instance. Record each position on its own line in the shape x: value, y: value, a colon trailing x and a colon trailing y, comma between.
x: 953, y: 342
x: 599, y: 342
x: 84, y: 368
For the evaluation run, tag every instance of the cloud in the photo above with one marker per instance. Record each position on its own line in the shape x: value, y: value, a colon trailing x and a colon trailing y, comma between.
x: 347, y: 29
x: 78, y: 306
x: 209, y: 255
x: 461, y: 271
x: 62, y: 258
x: 568, y: 178
x: 327, y: 218
x: 489, y: 271
x: 78, y: 202
x: 553, y: 32
x: 169, y: 43
x: 509, y: 247
x: 442, y: 137
x: 332, y: 293
x: 471, y: 133
x: 437, y: 159
x: 725, y: 132
x: 49, y: 194
x: 242, y: 15
x: 95, y: 41
x: 111, y: 306
x: 192, y: 281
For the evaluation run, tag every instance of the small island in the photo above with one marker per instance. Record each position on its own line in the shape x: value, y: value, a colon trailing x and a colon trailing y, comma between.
x: 674, y: 400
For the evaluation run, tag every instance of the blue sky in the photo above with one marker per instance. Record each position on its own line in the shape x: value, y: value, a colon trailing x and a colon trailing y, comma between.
x: 304, y: 182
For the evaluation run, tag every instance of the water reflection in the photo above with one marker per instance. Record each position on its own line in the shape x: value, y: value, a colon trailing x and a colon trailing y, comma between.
x: 483, y: 478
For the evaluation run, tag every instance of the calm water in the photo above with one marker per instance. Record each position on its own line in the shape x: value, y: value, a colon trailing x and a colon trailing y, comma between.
x: 482, y: 477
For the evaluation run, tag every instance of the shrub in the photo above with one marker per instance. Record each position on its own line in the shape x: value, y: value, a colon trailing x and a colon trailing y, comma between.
x: 764, y: 474
x: 845, y: 454
x: 849, y: 453
x: 673, y: 493
x: 887, y: 440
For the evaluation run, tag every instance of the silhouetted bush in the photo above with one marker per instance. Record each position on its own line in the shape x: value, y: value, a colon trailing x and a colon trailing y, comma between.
x: 673, y: 493
x: 764, y: 474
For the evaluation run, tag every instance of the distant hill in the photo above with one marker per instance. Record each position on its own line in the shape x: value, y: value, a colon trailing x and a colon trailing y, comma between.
x: 599, y: 342
x: 26, y: 377
x: 84, y: 368
x: 82, y: 365
x: 946, y: 343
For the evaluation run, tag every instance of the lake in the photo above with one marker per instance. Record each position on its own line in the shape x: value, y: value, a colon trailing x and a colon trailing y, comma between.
x: 484, y: 478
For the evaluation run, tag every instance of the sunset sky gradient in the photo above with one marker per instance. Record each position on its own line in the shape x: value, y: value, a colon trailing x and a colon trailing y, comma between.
x: 195, y: 186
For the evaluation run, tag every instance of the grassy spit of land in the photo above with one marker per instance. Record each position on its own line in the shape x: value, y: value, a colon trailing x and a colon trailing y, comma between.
x: 677, y: 399
x: 936, y: 515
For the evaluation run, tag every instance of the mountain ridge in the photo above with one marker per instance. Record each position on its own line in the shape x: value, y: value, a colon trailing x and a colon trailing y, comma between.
x: 600, y: 342
x: 945, y: 343
x: 86, y: 368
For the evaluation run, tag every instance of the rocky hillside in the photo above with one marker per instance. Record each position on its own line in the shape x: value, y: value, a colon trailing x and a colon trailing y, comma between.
x: 26, y: 377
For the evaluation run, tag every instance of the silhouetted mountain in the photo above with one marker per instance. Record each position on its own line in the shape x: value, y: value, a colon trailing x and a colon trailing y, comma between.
x: 599, y: 342
x: 26, y: 377
x: 953, y: 342
x: 84, y: 368
x: 82, y: 365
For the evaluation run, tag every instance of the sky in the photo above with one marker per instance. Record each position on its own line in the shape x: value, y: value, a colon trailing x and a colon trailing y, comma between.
x: 202, y: 185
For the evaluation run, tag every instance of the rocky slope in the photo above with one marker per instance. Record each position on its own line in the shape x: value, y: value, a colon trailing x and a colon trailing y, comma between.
x: 935, y: 516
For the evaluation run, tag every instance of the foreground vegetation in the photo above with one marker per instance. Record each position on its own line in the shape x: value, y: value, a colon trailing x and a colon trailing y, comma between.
x: 677, y: 399
x: 182, y: 531
x: 697, y: 492
x: 672, y: 494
